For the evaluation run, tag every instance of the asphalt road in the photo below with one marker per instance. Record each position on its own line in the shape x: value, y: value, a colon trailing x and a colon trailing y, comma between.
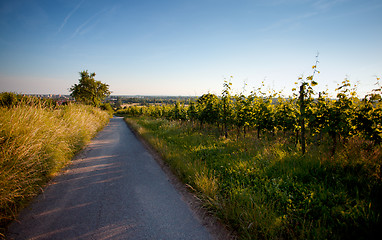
x: 113, y: 190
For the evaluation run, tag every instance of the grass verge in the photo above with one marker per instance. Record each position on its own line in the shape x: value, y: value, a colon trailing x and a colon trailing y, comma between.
x: 37, y: 142
x: 264, y: 189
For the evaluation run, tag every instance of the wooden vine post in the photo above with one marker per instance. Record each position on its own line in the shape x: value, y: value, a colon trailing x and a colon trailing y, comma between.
x: 302, y: 116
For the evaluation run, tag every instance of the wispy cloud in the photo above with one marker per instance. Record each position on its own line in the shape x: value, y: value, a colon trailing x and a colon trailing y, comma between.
x: 314, y: 7
x: 326, y: 4
x: 287, y: 22
x: 82, y: 28
x: 70, y: 15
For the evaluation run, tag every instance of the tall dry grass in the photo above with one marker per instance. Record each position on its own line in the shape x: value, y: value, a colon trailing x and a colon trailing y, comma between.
x: 35, y: 143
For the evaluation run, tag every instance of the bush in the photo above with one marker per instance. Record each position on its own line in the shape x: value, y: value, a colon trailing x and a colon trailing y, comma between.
x: 108, y: 108
x: 8, y: 99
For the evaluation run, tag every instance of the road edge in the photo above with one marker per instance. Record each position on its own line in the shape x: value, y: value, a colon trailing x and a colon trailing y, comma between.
x: 215, y: 227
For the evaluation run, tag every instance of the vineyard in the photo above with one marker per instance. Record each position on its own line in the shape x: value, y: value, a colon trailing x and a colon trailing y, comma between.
x: 306, y: 166
x: 307, y: 119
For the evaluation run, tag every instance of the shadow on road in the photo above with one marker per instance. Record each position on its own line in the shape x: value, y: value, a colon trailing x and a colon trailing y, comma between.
x: 114, y: 189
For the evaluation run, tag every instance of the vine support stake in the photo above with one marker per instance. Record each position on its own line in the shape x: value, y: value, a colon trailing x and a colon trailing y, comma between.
x: 302, y: 117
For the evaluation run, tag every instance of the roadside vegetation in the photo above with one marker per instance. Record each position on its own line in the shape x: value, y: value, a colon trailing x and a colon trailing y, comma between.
x: 303, y: 167
x: 37, y: 139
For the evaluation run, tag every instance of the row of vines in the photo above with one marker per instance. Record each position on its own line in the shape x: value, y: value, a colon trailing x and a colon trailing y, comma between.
x: 306, y: 117
x: 241, y: 152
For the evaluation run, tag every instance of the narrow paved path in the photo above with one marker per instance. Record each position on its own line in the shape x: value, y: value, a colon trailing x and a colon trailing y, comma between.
x: 115, y: 190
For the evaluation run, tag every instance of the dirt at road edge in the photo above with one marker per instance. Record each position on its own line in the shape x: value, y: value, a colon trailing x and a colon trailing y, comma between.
x: 216, y: 228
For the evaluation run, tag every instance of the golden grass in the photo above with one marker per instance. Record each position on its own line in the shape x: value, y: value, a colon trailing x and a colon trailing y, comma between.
x: 35, y: 143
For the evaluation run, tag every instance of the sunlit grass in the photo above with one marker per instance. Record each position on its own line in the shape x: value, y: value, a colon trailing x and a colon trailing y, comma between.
x: 35, y: 143
x: 265, y: 189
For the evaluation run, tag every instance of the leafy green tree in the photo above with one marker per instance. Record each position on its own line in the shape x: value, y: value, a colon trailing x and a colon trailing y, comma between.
x: 88, y: 90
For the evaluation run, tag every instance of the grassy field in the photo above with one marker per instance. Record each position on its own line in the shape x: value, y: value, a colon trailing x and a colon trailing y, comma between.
x: 36, y: 141
x: 265, y: 189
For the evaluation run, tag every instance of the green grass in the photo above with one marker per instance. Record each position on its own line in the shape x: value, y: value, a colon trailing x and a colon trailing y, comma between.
x: 35, y: 143
x: 265, y: 189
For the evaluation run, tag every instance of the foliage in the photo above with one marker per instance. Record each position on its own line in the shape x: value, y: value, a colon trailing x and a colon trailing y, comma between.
x: 226, y: 111
x: 208, y: 109
x: 108, y: 108
x: 88, y: 90
x: 302, y: 117
x: 8, y: 99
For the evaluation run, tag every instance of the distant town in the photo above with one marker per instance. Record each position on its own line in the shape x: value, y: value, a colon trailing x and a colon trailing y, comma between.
x: 120, y: 101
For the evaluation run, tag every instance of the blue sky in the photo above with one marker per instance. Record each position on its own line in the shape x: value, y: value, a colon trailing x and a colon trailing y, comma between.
x: 188, y: 47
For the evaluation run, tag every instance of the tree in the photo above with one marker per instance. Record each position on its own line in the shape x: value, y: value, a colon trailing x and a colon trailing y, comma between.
x: 89, y: 90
